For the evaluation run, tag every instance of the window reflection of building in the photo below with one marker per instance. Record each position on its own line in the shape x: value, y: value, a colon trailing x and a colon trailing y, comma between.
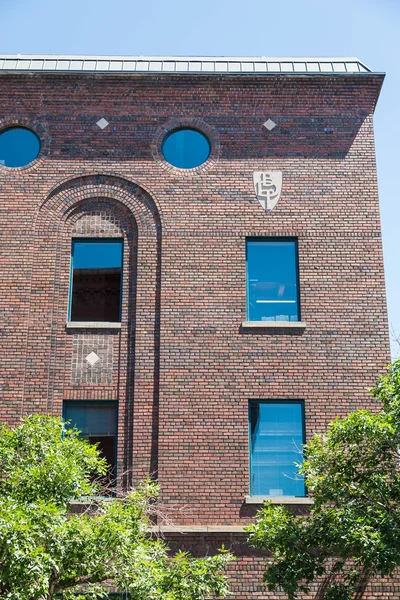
x: 96, y: 295
x: 96, y: 280
x: 277, y: 436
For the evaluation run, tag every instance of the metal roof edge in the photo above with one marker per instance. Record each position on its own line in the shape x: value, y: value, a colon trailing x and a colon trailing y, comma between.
x: 179, y: 65
x: 191, y: 74
x: 178, y: 57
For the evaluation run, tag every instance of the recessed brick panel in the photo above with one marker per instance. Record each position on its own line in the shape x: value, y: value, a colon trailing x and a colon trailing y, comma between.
x: 82, y: 346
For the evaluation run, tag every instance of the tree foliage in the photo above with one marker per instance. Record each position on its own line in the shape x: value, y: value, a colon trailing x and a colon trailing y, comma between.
x: 46, y: 551
x: 352, y: 533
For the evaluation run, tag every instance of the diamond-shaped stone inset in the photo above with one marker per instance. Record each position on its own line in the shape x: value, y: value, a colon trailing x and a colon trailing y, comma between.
x: 102, y: 123
x: 92, y: 359
x: 270, y: 124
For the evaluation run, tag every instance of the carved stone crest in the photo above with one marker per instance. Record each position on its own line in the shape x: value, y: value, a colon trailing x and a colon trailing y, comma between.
x: 268, y: 187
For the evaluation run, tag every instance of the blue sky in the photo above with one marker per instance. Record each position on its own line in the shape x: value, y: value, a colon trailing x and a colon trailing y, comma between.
x: 368, y: 29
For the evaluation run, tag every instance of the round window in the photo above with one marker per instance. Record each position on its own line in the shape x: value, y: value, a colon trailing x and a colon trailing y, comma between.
x: 186, y: 148
x: 18, y: 147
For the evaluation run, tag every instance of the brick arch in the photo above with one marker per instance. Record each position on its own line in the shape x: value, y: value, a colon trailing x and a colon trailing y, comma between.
x: 139, y: 202
x: 134, y: 348
x: 40, y: 128
x: 192, y: 122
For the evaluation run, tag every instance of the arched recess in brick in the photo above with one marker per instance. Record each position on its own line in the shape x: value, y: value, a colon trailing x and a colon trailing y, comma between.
x: 98, y: 206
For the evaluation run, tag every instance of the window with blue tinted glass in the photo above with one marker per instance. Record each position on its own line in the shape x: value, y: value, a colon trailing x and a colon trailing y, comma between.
x: 19, y: 146
x: 276, y: 439
x: 97, y: 422
x: 186, y: 148
x: 96, y: 280
x: 272, y: 280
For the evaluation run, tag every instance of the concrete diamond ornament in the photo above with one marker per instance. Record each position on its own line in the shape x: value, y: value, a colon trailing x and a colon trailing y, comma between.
x: 268, y: 187
x: 92, y: 359
x: 102, y: 123
x: 270, y: 124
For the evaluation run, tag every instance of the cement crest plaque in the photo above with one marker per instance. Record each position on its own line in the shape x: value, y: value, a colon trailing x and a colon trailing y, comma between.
x: 268, y: 187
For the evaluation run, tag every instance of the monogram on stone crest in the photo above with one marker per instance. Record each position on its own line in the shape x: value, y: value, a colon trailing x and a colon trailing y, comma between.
x: 268, y: 187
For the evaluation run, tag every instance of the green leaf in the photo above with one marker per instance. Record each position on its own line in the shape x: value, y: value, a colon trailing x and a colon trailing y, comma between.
x: 45, y: 551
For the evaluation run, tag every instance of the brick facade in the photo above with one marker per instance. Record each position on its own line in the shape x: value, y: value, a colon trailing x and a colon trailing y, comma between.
x: 181, y: 367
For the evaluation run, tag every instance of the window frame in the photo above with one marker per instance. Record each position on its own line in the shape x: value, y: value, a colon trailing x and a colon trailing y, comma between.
x: 303, y: 429
x: 71, y: 275
x: 176, y: 130
x: 297, y: 269
x: 15, y: 126
x: 96, y: 403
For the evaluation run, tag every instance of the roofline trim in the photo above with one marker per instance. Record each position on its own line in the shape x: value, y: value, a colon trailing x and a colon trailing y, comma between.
x: 183, y: 65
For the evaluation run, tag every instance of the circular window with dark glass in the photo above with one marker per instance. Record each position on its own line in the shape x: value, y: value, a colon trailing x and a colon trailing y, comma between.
x: 186, y: 148
x: 19, y: 146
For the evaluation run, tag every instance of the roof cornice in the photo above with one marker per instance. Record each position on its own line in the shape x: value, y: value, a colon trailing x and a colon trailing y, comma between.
x: 183, y: 65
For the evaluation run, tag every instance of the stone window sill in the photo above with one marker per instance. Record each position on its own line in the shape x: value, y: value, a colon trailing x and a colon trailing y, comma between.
x: 197, y: 529
x: 92, y: 325
x: 278, y: 500
x: 88, y: 502
x: 274, y: 324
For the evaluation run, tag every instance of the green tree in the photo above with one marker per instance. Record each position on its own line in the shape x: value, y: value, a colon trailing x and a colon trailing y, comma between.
x: 46, y: 551
x: 352, y: 533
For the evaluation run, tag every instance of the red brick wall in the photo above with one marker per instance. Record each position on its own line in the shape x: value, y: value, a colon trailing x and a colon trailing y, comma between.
x: 246, y: 572
x: 183, y: 368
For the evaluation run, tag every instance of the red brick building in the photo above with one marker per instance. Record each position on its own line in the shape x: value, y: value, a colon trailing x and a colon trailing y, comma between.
x: 151, y: 291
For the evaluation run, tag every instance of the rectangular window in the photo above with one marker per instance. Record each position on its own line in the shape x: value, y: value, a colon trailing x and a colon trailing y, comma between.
x: 276, y: 438
x: 96, y: 280
x: 272, y: 280
x: 97, y: 421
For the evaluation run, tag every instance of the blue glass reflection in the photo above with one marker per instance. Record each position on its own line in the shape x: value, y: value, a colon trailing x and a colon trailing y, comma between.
x: 186, y: 148
x: 272, y: 293
x: 97, y: 254
x: 92, y: 419
x: 276, y: 445
x: 98, y: 424
x: 96, y: 281
x: 18, y: 147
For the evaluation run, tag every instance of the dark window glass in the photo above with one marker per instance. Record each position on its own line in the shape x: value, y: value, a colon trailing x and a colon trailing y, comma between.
x: 97, y: 423
x: 186, y: 148
x: 272, y: 280
x: 96, y: 280
x: 277, y: 436
x: 18, y: 147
